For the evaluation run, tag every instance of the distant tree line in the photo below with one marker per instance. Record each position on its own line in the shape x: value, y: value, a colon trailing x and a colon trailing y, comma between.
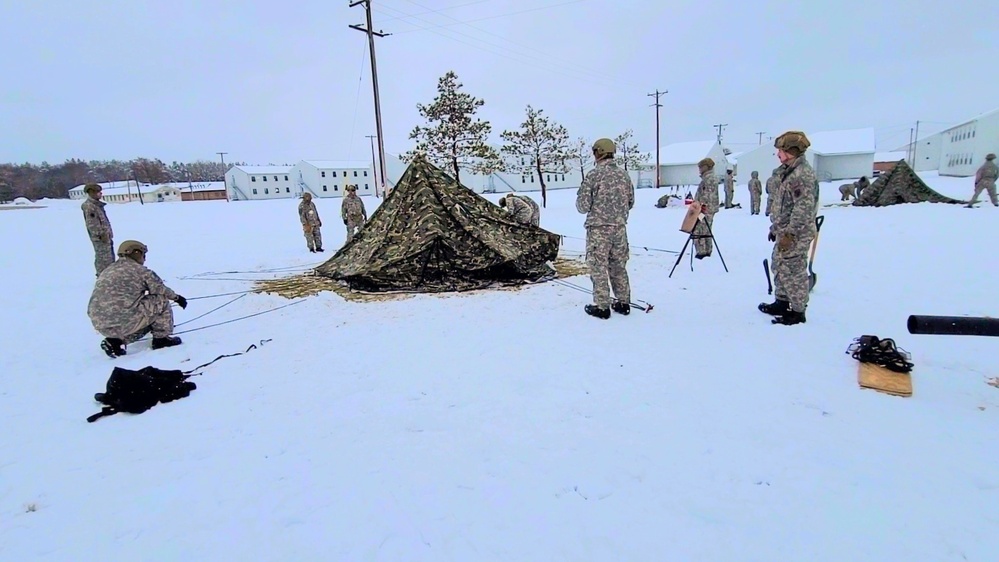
x: 37, y: 181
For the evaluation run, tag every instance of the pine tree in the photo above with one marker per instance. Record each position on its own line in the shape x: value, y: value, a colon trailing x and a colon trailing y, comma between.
x: 540, y: 146
x: 453, y: 137
x: 582, y: 154
x: 628, y: 155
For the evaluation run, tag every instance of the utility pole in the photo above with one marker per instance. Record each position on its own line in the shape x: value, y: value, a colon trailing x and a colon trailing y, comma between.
x: 222, y: 156
x: 915, y: 143
x: 720, y: 126
x: 374, y: 82
x: 657, y: 105
x: 908, y: 152
x: 374, y: 164
x: 760, y: 135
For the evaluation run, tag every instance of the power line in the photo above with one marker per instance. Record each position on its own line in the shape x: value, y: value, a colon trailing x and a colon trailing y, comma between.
x: 491, y: 17
x: 357, y: 101
x: 438, y: 10
x: 526, y: 59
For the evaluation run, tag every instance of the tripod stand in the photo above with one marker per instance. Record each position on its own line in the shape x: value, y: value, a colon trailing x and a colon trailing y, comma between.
x: 695, y: 236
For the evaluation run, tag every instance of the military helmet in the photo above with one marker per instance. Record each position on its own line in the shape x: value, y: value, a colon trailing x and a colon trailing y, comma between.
x: 604, y: 147
x: 351, y: 188
x: 990, y: 156
x: 706, y: 164
x: 792, y: 140
x: 502, y: 201
x: 129, y: 246
x: 755, y: 174
x: 307, y: 196
x: 92, y: 188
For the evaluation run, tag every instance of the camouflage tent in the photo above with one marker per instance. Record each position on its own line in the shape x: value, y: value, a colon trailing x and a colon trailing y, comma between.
x: 432, y: 234
x: 899, y: 185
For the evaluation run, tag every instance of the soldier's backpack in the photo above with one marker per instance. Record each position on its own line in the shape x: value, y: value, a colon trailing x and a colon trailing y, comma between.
x: 135, y: 392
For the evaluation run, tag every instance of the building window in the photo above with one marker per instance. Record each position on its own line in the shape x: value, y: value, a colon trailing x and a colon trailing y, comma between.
x: 267, y: 191
x: 286, y: 178
x: 532, y: 178
x: 523, y: 179
x: 323, y: 173
x: 275, y: 178
x: 265, y: 178
x: 563, y: 177
x: 366, y: 186
x: 355, y: 173
x: 324, y: 188
x: 336, y: 188
x: 334, y: 173
x: 287, y: 190
x: 254, y: 191
x: 365, y: 173
x: 253, y: 178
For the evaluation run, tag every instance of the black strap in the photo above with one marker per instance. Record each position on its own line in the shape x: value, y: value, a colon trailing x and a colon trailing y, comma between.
x: 106, y: 411
x: 192, y: 372
x: 881, y: 352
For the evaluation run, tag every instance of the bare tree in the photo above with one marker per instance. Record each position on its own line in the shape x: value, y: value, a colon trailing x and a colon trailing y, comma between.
x: 540, y: 146
x: 582, y: 153
x: 453, y: 137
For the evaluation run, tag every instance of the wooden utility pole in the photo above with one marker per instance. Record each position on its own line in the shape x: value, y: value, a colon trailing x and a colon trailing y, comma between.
x: 222, y: 156
x: 720, y: 126
x: 908, y: 151
x: 657, y: 105
x: 760, y: 134
x: 915, y: 143
x: 374, y: 165
x: 374, y: 82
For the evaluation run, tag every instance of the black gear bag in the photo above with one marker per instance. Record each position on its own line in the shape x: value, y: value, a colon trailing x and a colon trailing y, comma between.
x: 135, y: 392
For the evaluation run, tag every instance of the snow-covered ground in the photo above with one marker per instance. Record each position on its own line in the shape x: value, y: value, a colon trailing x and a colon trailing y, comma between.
x: 507, y: 425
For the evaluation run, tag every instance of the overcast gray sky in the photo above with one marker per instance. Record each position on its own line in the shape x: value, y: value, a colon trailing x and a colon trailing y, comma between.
x: 279, y: 81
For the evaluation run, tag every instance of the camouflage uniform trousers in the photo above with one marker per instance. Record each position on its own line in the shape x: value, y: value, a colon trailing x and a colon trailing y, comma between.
x: 729, y: 196
x: 103, y: 254
x: 607, y: 254
x: 985, y: 185
x: 754, y: 203
x: 314, y: 237
x: 705, y: 245
x: 155, y: 315
x: 353, y: 227
x: 790, y: 270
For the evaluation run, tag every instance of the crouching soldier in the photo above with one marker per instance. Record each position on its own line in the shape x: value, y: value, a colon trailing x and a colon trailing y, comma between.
x: 524, y: 209
x: 311, y: 224
x: 847, y: 190
x: 130, y: 301
x: 352, y: 212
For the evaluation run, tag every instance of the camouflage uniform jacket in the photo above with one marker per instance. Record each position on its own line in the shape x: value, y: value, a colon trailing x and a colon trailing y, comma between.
x: 117, y: 297
x: 519, y: 209
x: 308, y: 214
x: 989, y: 172
x: 535, y: 210
x: 755, y: 186
x: 707, y: 193
x: 606, y: 196
x: 96, y: 219
x: 729, y: 182
x: 797, y: 201
x: 352, y: 209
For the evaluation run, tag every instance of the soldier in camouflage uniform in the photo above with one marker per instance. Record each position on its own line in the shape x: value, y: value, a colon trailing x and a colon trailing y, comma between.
x: 707, y: 196
x: 773, y: 183
x: 793, y: 230
x: 129, y: 301
x: 98, y: 227
x: 352, y: 212
x: 861, y: 184
x: 755, y: 192
x: 985, y: 179
x: 311, y: 224
x: 606, y: 197
x: 847, y: 190
x: 729, y: 189
x: 524, y: 209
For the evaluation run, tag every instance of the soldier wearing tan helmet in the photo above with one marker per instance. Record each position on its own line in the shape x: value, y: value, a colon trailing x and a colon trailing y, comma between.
x: 311, y: 223
x: 352, y: 212
x: 129, y: 301
x: 985, y: 180
x: 98, y: 227
x: 755, y: 193
x: 792, y: 230
x: 606, y: 198
x: 707, y: 196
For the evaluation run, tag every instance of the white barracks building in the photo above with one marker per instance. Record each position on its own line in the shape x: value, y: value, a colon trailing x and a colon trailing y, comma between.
x: 321, y: 178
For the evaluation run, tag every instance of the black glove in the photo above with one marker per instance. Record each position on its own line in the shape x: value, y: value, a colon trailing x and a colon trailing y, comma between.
x: 771, y: 237
x: 181, y: 301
